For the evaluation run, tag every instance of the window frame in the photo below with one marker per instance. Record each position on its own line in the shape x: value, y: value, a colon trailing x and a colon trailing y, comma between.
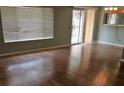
x: 31, y: 39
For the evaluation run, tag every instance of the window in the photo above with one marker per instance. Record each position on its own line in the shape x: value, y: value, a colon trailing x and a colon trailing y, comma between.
x: 27, y: 23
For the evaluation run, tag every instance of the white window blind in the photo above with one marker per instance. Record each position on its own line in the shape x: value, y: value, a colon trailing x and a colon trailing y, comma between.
x: 27, y: 23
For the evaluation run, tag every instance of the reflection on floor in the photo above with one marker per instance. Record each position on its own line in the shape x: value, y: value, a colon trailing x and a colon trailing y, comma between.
x: 95, y: 64
x: 120, y: 76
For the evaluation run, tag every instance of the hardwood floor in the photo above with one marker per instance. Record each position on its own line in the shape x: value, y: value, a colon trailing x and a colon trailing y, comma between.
x: 96, y: 64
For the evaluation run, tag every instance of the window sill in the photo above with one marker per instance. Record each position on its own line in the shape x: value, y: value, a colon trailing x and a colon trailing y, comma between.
x: 12, y: 41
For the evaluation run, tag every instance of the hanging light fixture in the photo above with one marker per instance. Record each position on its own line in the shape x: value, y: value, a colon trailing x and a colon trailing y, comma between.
x: 110, y: 8
x: 106, y: 8
x: 115, y: 8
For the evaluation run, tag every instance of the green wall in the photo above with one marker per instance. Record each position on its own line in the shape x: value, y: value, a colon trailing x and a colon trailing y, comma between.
x: 106, y: 33
x: 62, y: 34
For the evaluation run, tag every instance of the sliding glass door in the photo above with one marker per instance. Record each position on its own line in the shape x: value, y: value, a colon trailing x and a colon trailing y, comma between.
x: 77, y: 26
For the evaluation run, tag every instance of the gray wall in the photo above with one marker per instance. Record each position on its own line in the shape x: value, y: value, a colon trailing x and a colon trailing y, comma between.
x: 62, y: 34
x: 105, y: 33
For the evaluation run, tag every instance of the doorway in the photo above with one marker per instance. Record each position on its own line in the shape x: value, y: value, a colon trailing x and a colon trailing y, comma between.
x: 77, y: 26
x: 83, y: 25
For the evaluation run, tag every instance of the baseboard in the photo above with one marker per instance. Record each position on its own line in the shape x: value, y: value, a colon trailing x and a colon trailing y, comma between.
x: 108, y: 43
x: 54, y: 47
x: 33, y: 50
